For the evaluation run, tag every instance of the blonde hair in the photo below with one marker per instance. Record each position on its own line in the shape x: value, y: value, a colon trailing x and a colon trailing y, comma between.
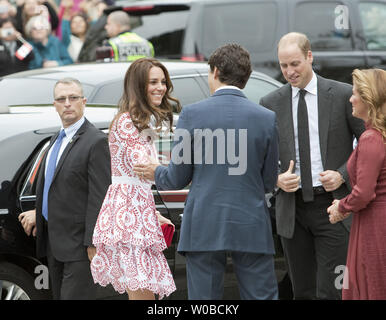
x: 296, y: 37
x: 69, y: 81
x: 371, y: 87
x: 36, y: 21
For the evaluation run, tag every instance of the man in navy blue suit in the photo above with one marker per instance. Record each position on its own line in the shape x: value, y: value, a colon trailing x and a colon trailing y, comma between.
x: 227, y: 148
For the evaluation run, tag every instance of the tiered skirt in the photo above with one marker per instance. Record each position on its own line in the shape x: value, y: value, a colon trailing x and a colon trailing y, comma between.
x: 129, y: 243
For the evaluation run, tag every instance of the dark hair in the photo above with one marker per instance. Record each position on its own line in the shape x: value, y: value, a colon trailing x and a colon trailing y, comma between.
x: 233, y: 63
x: 5, y: 20
x: 135, y: 100
x: 83, y: 15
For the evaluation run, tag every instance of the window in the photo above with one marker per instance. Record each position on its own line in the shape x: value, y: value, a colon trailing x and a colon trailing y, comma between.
x: 30, y: 182
x: 245, y: 24
x: 318, y: 21
x: 164, y: 30
x: 19, y: 91
x: 109, y: 93
x: 373, y: 16
x: 257, y: 88
x: 187, y: 90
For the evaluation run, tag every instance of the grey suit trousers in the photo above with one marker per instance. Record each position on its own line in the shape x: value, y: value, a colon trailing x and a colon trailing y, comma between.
x: 317, y: 250
x: 255, y: 275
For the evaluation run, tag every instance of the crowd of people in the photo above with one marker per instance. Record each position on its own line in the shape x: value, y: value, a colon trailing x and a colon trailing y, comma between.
x: 39, y: 34
x: 95, y: 216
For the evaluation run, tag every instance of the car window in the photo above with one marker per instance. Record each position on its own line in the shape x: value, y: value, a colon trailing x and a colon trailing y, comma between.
x: 255, y: 89
x: 252, y: 29
x: 109, y: 93
x: 318, y: 21
x: 373, y: 16
x: 187, y: 90
x: 30, y: 183
x: 164, y: 30
x: 19, y: 91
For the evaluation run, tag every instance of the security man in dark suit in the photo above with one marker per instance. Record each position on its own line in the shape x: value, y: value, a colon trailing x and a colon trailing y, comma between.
x: 316, y: 132
x: 72, y: 183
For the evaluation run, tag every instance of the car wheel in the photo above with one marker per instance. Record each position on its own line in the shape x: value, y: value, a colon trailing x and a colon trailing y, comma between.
x: 17, y: 284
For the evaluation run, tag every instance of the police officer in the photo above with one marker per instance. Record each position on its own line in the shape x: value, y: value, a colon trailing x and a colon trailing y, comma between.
x: 127, y: 46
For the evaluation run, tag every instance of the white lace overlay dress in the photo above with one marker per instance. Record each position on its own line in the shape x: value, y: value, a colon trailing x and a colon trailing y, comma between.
x: 127, y: 236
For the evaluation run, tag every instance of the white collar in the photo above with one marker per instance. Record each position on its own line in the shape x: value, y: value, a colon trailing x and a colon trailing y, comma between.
x: 227, y: 87
x: 311, y: 87
x: 72, y: 129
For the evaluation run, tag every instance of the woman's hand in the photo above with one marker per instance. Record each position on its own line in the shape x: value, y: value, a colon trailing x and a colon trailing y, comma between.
x: 91, y: 252
x: 334, y: 214
x: 162, y: 220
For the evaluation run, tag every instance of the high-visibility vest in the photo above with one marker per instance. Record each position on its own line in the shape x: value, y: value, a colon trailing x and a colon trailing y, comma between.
x: 129, y: 46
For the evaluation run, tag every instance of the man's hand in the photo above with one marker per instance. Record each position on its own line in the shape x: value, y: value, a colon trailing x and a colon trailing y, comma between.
x: 331, y: 180
x: 28, y: 221
x: 288, y: 181
x: 146, y: 171
x: 91, y: 252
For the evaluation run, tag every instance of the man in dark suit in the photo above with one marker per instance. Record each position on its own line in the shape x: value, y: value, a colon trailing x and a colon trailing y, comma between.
x: 225, y: 211
x: 72, y: 183
x: 316, y: 131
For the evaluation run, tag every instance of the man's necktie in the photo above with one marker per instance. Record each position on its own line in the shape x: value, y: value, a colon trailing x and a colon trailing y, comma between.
x: 51, y: 166
x: 304, y: 149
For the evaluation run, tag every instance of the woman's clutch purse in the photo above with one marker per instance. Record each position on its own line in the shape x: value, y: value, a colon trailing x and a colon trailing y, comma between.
x: 168, y: 231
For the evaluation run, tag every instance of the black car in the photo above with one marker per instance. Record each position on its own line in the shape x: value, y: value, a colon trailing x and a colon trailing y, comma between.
x: 28, y: 120
x: 344, y: 34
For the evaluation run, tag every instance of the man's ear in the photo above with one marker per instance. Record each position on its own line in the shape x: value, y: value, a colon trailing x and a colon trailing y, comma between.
x: 216, y: 73
x: 310, y: 57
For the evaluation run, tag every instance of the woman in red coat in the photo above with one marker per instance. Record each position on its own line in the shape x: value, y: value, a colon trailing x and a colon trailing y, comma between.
x: 365, y: 276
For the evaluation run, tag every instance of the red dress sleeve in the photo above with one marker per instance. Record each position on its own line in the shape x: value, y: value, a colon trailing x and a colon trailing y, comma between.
x: 370, y: 159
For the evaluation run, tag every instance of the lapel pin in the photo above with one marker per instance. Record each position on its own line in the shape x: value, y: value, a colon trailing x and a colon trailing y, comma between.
x: 72, y: 139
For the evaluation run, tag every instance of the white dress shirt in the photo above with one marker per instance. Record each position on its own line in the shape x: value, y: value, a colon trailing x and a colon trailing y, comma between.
x: 70, y: 132
x: 311, y: 98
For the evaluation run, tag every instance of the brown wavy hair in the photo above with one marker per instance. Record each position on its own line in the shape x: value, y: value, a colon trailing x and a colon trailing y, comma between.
x: 135, y: 100
x: 371, y: 87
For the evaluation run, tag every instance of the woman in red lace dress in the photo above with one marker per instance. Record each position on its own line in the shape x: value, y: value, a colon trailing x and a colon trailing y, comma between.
x: 365, y: 276
x: 127, y: 236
